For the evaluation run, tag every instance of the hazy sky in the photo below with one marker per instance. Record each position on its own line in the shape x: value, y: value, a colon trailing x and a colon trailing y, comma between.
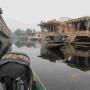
x: 33, y: 11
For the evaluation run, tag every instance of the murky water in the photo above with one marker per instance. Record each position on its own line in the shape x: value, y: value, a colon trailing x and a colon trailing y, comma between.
x: 60, y: 69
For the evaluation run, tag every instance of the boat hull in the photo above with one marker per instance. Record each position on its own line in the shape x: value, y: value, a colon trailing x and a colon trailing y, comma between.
x: 38, y: 85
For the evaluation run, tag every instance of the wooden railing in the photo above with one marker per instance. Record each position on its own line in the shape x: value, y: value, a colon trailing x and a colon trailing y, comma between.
x: 70, y: 33
x: 75, y: 33
x: 83, y: 33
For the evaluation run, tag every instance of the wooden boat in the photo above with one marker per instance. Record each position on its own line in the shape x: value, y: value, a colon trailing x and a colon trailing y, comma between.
x: 54, y: 41
x: 21, y: 58
x: 81, y: 46
x: 51, y: 34
x: 77, y: 30
x: 38, y: 85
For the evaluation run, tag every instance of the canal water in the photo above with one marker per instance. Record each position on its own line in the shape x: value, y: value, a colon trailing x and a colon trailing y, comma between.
x: 60, y: 68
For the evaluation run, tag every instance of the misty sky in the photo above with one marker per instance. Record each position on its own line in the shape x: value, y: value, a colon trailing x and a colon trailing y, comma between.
x: 33, y: 11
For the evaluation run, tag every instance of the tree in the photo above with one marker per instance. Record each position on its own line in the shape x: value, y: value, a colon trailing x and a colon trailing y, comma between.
x: 18, y: 32
x: 28, y: 30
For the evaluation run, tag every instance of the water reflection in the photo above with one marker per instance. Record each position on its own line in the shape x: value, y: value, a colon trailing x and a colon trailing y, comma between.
x: 78, y: 58
x: 20, y: 44
x: 82, y: 63
x: 82, y: 47
x: 60, y: 75
x: 73, y: 57
x: 52, y: 55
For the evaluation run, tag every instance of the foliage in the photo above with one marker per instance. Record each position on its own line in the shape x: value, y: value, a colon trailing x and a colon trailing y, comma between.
x: 18, y: 32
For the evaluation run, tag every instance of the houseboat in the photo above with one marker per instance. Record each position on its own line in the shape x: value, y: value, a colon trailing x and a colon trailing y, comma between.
x: 74, y: 31
x: 52, y: 33
x: 78, y: 30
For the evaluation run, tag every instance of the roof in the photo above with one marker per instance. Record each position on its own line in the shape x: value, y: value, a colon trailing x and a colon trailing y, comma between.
x: 16, y: 55
x: 52, y: 22
x: 62, y: 21
x: 78, y: 19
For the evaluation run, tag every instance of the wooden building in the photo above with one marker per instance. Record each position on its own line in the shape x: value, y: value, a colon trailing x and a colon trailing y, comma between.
x: 52, y: 27
x: 76, y: 30
x: 79, y: 29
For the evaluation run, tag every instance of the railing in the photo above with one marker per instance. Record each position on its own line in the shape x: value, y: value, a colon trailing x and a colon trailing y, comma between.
x: 83, y: 33
x: 79, y: 33
x: 76, y: 33
x: 72, y: 34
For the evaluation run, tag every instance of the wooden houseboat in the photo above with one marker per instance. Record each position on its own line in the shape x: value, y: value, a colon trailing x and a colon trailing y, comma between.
x: 78, y: 30
x: 75, y: 31
x: 52, y: 33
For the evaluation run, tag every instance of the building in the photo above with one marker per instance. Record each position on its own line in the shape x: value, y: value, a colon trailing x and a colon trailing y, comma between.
x: 5, y: 36
x: 76, y: 30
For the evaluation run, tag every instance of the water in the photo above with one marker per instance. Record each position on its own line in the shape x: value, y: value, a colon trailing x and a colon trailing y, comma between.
x: 60, y: 69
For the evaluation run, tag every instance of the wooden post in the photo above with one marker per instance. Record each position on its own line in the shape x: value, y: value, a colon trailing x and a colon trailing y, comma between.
x: 53, y: 28
x: 87, y: 27
x: 88, y: 24
x: 86, y: 61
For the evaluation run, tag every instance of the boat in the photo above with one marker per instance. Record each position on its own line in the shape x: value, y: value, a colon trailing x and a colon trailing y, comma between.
x: 81, y: 46
x: 53, y: 41
x: 38, y: 85
x: 51, y: 36
x: 22, y: 59
x: 77, y: 30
